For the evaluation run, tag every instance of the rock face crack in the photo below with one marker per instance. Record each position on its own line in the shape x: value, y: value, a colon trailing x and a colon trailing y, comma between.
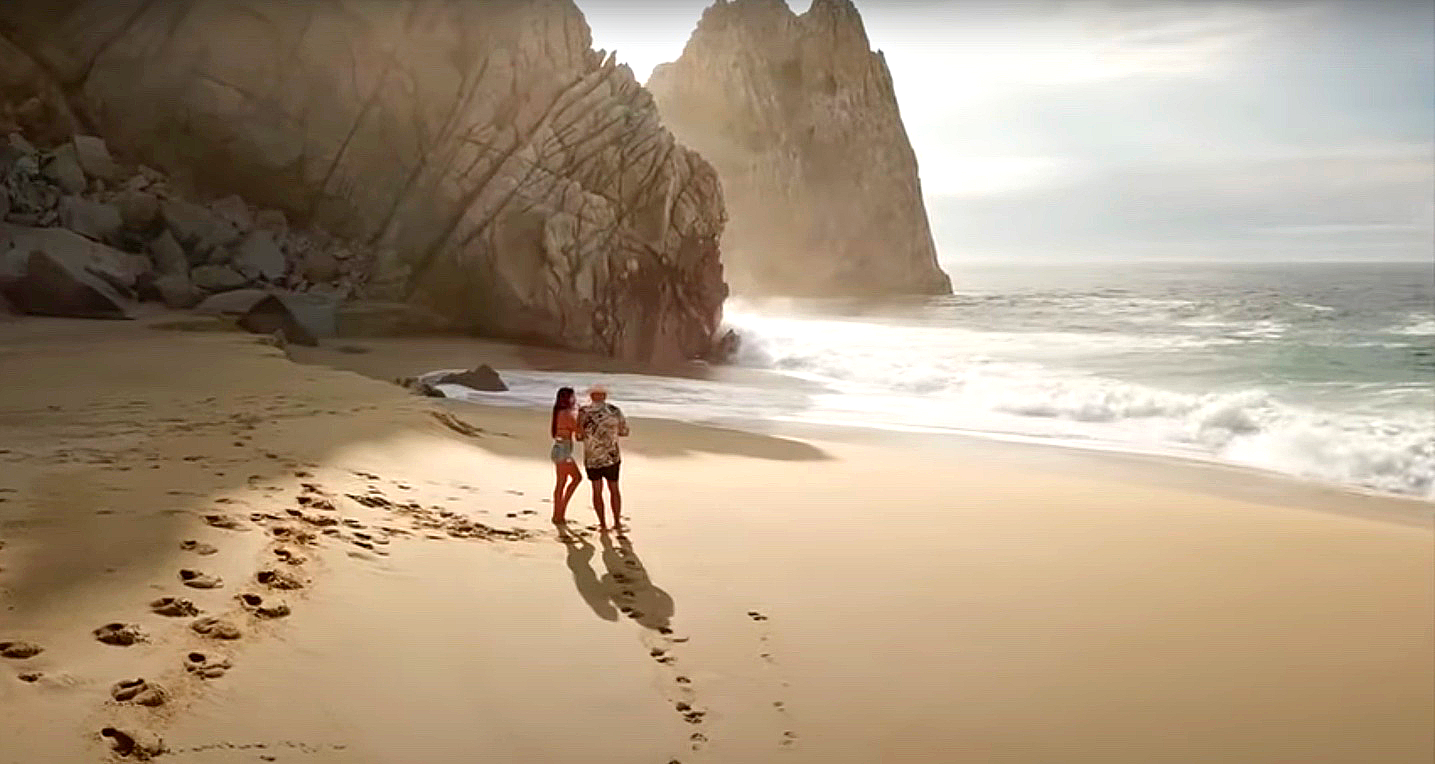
x: 517, y: 180
x: 800, y: 119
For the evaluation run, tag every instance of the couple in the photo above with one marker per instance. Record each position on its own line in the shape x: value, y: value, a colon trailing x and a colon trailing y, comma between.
x: 598, y: 425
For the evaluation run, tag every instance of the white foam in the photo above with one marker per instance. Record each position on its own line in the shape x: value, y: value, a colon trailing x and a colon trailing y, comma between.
x: 1420, y: 326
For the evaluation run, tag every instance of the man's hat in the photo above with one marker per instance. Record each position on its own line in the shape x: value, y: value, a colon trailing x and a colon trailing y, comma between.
x: 597, y: 389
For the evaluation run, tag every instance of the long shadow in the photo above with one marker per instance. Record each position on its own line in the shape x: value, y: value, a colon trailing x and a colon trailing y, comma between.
x: 580, y: 563
x: 625, y: 585
x: 633, y: 591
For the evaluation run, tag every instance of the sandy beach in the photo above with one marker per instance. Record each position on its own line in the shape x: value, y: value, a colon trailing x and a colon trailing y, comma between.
x: 814, y: 597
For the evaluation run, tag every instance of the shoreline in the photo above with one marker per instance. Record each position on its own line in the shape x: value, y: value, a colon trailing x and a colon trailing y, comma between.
x: 1110, y: 459
x: 800, y: 598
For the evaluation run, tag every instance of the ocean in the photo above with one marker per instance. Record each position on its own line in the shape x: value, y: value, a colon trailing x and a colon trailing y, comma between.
x: 1320, y: 371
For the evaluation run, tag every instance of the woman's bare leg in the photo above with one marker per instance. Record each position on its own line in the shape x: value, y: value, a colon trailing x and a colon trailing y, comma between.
x: 574, y: 478
x: 559, y: 505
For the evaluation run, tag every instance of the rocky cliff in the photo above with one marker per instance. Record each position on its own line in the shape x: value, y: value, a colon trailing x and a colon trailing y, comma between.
x: 800, y: 119
x: 495, y: 167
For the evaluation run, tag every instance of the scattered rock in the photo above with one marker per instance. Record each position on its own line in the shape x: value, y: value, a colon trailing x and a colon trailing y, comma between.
x: 217, y: 278
x: 167, y: 255
x: 64, y: 169
x: 196, y: 229
x: 320, y: 266
x: 120, y: 634
x: 139, y: 692
x: 234, y: 211
x: 94, y: 220
x: 216, y: 628
x: 176, y: 291
x: 259, y: 256
x: 139, y: 210
x: 19, y: 650
x: 94, y: 158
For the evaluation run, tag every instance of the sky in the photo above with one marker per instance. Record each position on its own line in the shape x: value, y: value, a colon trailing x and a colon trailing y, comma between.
x: 1166, y: 129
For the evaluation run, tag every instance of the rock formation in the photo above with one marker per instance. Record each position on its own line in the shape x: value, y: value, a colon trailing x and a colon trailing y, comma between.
x: 799, y: 117
x: 479, y: 159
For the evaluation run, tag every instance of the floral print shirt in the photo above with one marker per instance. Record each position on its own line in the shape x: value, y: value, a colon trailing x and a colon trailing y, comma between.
x: 601, y: 424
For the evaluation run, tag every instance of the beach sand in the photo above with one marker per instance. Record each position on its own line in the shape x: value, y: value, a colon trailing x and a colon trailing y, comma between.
x: 812, y: 598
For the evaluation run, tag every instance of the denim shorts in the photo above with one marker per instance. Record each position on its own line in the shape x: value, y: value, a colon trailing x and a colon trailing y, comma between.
x: 562, y: 451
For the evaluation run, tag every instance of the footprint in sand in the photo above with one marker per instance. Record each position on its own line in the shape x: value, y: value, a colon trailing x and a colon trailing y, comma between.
x: 19, y: 650
x: 30, y: 677
x: 198, y: 580
x: 289, y: 556
x: 120, y: 634
x: 199, y: 548
x: 216, y: 628
x: 224, y: 521
x: 174, y: 607
x: 205, y: 667
x: 278, y: 579
x: 756, y: 616
x: 133, y: 744
x: 139, y: 692
x: 255, y: 604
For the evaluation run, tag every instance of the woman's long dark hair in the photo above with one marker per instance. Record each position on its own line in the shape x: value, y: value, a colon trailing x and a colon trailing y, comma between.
x: 563, y: 402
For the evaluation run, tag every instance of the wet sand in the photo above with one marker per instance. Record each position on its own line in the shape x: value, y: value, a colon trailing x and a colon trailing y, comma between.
x: 803, y: 598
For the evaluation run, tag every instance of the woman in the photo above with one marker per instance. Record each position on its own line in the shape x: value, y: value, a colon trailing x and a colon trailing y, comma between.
x: 563, y: 426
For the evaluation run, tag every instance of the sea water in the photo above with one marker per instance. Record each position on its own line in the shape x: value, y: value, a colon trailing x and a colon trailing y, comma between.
x: 1321, y: 371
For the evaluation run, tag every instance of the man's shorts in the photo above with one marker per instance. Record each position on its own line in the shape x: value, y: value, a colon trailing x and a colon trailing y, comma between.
x: 609, y: 473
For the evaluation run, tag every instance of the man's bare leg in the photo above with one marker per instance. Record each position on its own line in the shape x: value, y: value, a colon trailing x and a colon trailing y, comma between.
x: 598, y: 505
x: 617, y: 499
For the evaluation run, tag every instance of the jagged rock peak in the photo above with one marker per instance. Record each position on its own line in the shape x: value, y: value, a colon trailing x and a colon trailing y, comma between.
x: 800, y: 118
x: 509, y: 176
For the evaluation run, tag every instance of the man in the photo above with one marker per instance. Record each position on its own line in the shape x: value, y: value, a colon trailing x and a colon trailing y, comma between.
x: 600, y: 424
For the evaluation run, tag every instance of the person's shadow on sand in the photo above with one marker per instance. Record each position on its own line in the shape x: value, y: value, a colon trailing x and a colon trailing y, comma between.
x: 624, y: 587
x: 632, y: 591
x: 580, y: 564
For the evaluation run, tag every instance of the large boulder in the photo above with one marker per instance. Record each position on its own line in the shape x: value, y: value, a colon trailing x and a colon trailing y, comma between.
x: 167, y: 255
x: 196, y: 228
x: 271, y: 315
x: 94, y: 158
x: 49, y: 285
x: 482, y: 378
x: 120, y: 269
x: 800, y: 118
x: 521, y: 180
x: 259, y: 256
x: 176, y: 291
x: 217, y: 278
x: 94, y: 220
x: 304, y: 318
x: 64, y: 169
x: 138, y: 209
